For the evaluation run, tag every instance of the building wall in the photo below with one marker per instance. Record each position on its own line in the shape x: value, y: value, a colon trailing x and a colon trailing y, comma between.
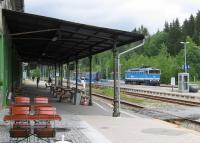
x: 9, y: 66
x: 17, y: 5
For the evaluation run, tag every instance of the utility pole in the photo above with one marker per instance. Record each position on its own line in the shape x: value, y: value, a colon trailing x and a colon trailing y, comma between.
x: 185, y: 65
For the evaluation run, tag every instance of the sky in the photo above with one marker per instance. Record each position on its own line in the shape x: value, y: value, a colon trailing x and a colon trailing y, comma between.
x: 117, y: 14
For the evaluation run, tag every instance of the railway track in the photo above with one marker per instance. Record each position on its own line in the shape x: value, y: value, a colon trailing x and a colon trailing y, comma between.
x: 161, y: 115
x: 160, y: 98
x: 164, y: 99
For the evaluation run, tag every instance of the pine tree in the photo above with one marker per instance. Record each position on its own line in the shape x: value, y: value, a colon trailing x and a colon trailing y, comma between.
x: 191, y: 26
x: 185, y: 27
x: 143, y: 30
x: 134, y: 30
x: 174, y: 38
x: 196, y: 36
x: 188, y: 27
x: 166, y: 28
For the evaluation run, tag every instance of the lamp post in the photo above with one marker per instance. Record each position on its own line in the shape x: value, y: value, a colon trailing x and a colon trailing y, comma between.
x: 185, y: 65
x: 118, y: 64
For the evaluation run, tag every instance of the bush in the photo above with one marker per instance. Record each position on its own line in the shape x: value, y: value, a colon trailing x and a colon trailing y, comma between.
x: 1, y: 83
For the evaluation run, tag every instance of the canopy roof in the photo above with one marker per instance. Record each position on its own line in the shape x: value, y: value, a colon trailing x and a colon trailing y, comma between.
x: 39, y: 38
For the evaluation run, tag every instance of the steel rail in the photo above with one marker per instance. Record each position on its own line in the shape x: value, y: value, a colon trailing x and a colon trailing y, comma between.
x: 159, y: 98
x: 174, y: 119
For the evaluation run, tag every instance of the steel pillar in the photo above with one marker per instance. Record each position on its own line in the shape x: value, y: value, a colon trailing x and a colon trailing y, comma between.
x: 90, y: 84
x: 61, y: 74
x: 68, y: 75
x: 116, y: 112
x: 76, y: 82
x: 55, y: 75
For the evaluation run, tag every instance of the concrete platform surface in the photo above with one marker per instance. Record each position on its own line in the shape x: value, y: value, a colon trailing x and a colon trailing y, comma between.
x: 95, y: 124
x: 140, y: 130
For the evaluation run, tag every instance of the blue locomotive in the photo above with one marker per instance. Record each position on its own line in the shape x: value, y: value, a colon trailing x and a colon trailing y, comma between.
x: 144, y: 75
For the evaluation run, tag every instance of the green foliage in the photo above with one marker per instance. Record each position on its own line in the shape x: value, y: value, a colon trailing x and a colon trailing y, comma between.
x: 188, y: 27
x: 108, y: 92
x: 153, y: 45
x: 1, y: 83
x: 174, y: 38
x: 193, y: 58
x: 196, y: 37
x: 36, y: 72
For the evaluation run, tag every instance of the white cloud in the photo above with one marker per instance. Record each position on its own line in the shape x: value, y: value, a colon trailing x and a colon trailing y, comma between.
x: 120, y: 14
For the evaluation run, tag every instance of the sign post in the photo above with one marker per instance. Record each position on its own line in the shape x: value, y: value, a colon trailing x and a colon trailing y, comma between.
x: 173, y: 83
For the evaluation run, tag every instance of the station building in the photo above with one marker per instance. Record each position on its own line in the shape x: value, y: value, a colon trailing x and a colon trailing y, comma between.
x: 10, y: 68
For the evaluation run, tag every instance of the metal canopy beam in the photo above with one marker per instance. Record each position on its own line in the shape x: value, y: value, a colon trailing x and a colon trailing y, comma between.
x: 89, y: 35
x: 32, y: 32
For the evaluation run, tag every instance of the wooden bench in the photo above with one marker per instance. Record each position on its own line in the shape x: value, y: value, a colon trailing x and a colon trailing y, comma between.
x: 66, y: 94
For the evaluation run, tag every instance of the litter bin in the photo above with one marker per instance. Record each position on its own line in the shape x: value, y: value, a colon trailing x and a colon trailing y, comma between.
x: 78, y: 98
x: 193, y: 88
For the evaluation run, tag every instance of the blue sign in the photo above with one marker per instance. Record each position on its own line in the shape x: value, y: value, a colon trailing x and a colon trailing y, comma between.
x: 184, y: 67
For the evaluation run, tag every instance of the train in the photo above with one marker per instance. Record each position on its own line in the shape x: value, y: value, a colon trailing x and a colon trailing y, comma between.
x: 143, y: 75
x: 96, y: 76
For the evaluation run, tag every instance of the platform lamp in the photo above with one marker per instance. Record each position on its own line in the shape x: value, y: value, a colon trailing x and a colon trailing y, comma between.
x: 185, y: 65
x: 118, y: 64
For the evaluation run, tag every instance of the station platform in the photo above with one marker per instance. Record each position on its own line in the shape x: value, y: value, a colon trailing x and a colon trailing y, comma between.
x: 95, y: 124
x: 164, y: 91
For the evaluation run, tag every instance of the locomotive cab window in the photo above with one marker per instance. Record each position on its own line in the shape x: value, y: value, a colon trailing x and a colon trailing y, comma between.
x: 154, y: 71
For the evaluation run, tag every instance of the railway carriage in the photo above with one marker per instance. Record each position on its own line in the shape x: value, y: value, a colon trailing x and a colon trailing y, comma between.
x: 147, y: 76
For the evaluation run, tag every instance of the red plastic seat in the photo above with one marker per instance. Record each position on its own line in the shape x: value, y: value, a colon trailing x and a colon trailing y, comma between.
x: 20, y: 110
x: 41, y: 100
x: 22, y: 100
x: 45, y: 130
x: 42, y: 110
x: 20, y: 130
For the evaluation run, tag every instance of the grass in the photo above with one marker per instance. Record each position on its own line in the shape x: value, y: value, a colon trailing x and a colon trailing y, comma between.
x: 107, y: 91
x: 196, y: 82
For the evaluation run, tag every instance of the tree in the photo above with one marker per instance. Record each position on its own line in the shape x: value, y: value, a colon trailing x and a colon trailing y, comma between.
x: 174, y: 38
x: 36, y: 72
x: 185, y: 28
x: 188, y: 27
x: 166, y: 27
x: 193, y: 58
x: 196, y: 36
x: 143, y: 30
x: 153, y: 45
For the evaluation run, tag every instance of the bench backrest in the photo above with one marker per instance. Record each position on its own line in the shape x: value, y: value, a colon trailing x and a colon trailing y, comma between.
x: 22, y: 100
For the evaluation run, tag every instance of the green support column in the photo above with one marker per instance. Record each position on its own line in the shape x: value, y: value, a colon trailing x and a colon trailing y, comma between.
x: 5, y: 70
x: 1, y: 69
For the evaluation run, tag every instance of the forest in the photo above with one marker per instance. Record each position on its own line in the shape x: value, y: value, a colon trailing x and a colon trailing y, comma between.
x: 161, y: 50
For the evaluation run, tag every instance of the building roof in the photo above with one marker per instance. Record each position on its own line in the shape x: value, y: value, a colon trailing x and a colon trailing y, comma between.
x: 39, y: 38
